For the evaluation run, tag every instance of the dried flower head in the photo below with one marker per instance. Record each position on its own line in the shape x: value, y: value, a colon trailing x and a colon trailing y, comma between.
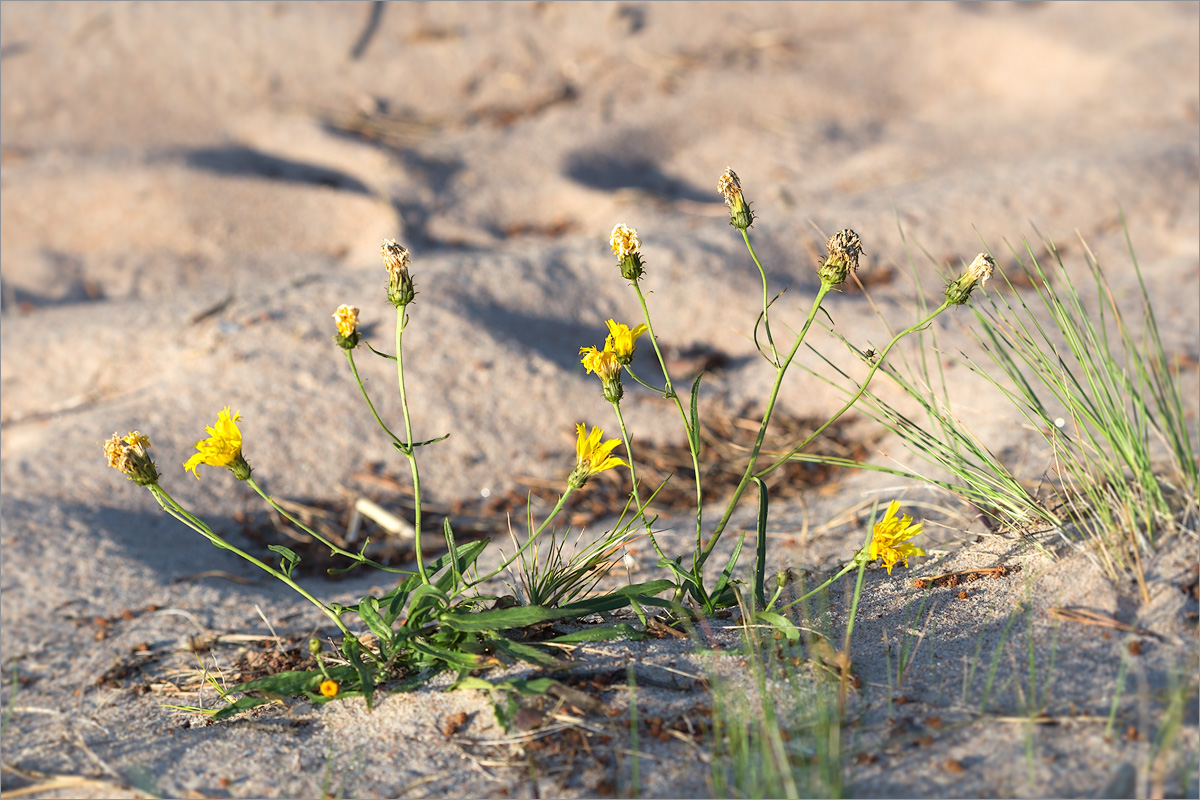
x: 959, y: 291
x: 591, y: 455
x: 730, y: 188
x: 400, y: 285
x: 622, y: 340
x: 129, y: 455
x: 222, y: 448
x: 347, y: 327
x: 625, y: 245
x: 889, y: 539
x: 843, y: 250
x: 607, y: 367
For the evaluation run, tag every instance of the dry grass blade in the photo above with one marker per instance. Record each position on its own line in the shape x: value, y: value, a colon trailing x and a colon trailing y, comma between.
x: 1085, y: 617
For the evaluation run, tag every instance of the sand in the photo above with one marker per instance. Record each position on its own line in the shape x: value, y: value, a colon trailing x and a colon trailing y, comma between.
x: 190, y: 190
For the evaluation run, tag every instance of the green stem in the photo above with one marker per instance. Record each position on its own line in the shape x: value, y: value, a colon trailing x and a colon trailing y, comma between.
x: 824, y: 585
x: 766, y: 302
x: 195, y: 523
x: 362, y: 388
x: 862, y: 389
x: 703, y: 554
x: 562, y: 501
x: 359, y: 557
x: 687, y: 425
x: 408, y: 449
x: 637, y: 499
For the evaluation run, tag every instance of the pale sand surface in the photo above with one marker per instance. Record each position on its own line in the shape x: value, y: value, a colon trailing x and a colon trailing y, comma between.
x: 159, y: 159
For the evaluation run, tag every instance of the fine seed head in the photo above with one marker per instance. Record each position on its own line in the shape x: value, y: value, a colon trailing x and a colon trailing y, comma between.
x: 843, y: 249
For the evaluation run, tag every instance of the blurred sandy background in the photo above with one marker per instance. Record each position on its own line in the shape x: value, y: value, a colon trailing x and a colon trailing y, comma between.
x: 189, y: 190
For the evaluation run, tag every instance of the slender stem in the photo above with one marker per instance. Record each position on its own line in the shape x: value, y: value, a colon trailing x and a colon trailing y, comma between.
x: 362, y: 388
x: 359, y: 557
x: 195, y: 523
x: 687, y: 425
x: 702, y: 555
x: 408, y: 449
x: 862, y: 389
x: 823, y: 586
x: 766, y: 302
x: 562, y: 501
x: 655, y: 389
x: 637, y: 499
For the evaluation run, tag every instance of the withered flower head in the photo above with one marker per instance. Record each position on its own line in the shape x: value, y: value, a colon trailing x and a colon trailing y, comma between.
x: 843, y: 250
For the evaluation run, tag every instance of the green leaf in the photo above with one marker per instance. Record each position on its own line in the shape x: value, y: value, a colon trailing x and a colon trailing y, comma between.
x: 288, y: 558
x: 524, y: 652
x: 760, y: 559
x: 368, y: 610
x: 694, y: 421
x: 780, y: 623
x: 244, y: 704
x: 723, y: 581
x: 521, y: 617
x: 352, y: 649
x: 602, y: 633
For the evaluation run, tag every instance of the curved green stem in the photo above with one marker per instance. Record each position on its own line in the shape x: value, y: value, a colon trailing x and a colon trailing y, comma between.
x: 637, y: 499
x: 195, y: 523
x: 359, y: 557
x: 687, y: 425
x: 362, y: 388
x: 562, y: 501
x: 703, y: 554
x: 664, y: 392
x: 408, y: 449
x: 852, y: 565
x: 766, y: 302
x: 857, y: 395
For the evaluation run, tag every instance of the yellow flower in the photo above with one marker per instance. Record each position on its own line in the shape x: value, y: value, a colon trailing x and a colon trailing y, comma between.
x: 889, y: 540
x: 621, y: 340
x: 330, y: 688
x: 128, y: 455
x: 592, y: 456
x: 223, y: 448
x: 346, y: 318
x: 607, y: 367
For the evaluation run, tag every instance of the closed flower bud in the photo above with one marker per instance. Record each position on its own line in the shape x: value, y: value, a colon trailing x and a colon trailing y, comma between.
x: 400, y: 285
x: 959, y: 291
x: 740, y: 215
x: 347, y: 336
x: 843, y: 250
x: 625, y: 244
x: 314, y: 646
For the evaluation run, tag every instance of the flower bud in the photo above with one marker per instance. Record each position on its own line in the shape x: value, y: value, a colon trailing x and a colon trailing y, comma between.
x: 625, y: 244
x: 347, y: 336
x: 400, y: 285
x: 959, y: 291
x: 843, y: 249
x: 740, y: 215
x: 315, y: 647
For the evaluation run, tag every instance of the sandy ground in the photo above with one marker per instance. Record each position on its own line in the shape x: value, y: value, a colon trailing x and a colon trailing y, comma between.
x: 189, y: 190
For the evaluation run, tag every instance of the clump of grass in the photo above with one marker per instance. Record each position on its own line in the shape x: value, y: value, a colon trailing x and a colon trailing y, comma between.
x: 1099, y: 389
